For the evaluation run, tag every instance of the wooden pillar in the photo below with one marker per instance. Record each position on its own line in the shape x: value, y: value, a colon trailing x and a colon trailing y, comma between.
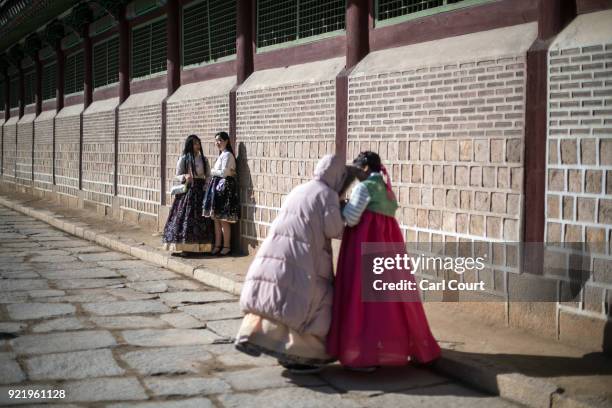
x: 88, y: 66
x: 244, y: 39
x: 38, y: 103
x: 7, y: 95
x: 124, y: 83
x: 39, y: 73
x: 549, y: 18
x: 173, y: 28
x: 59, y: 95
x: 246, y: 21
x: 553, y: 15
x: 87, y: 91
x: 357, y: 47
x: 7, y: 112
x: 245, y: 47
x: 173, y: 78
x: 124, y: 56
x: 21, y: 90
x: 357, y: 31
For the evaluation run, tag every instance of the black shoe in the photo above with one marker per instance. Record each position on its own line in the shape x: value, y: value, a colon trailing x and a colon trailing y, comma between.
x: 302, y: 369
x: 369, y: 369
x: 245, y: 348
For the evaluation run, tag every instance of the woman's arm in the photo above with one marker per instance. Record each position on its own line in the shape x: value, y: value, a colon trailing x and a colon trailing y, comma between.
x: 333, y: 225
x: 357, y: 204
x: 227, y: 167
x: 206, y: 167
x: 181, y: 169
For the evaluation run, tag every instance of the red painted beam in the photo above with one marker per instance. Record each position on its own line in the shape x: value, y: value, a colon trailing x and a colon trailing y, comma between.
x: 59, y: 94
x: 553, y: 16
x: 39, y: 73
x: 173, y: 62
x: 245, y: 58
x: 21, y: 91
x: 88, y: 66
x: 124, y: 57
x: 357, y: 31
x: 358, y: 22
x: 7, y: 96
x: 244, y: 39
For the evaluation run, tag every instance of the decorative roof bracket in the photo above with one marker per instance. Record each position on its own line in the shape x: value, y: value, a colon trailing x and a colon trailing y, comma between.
x: 80, y: 17
x: 114, y: 7
x: 33, y: 44
x: 53, y: 34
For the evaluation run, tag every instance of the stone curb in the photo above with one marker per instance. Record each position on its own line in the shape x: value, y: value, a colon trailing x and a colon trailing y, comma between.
x: 137, y: 250
x: 529, y: 391
x: 482, y: 374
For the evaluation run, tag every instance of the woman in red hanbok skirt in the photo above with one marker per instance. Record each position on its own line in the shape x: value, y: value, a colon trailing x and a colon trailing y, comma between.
x: 364, y: 335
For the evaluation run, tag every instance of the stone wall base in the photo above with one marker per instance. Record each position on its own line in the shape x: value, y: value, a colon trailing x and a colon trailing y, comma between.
x: 7, y: 184
x: 67, y: 200
x: 44, y: 194
x: 543, y: 319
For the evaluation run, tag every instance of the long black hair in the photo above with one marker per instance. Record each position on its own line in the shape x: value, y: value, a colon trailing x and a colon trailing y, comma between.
x: 189, y: 152
x: 225, y: 136
x: 188, y: 148
x: 370, y: 159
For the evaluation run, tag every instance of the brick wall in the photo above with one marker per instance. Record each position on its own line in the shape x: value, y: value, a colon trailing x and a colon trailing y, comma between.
x: 580, y: 144
x: 99, y: 151
x: 447, y: 118
x: 67, y: 140
x: 201, y: 108
x: 285, y: 124
x: 452, y: 136
x: 43, y: 151
x: 139, y: 152
x: 9, y: 148
x: 450, y: 132
x: 579, y: 157
x: 25, y: 135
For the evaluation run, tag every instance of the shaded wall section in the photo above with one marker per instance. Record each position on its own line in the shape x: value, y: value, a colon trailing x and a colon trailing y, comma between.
x: 67, y: 142
x: 200, y: 108
x: 9, y: 149
x: 579, y: 170
x: 285, y: 122
x: 25, y: 138
x: 139, y: 153
x: 43, y: 151
x: 99, y: 151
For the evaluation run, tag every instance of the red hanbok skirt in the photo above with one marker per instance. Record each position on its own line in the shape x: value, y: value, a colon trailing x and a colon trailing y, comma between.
x: 366, y: 334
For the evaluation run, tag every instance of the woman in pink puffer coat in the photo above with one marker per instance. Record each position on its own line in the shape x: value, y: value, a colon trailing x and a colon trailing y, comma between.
x: 287, y: 293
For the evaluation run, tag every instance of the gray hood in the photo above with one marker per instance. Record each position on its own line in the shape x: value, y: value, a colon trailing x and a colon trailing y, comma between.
x: 331, y: 171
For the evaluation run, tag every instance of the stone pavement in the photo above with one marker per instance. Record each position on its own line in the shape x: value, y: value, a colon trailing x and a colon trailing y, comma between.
x: 530, y: 370
x: 108, y: 330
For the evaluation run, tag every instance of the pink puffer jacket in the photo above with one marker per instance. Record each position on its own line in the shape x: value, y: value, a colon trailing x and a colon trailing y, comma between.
x: 291, y: 277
